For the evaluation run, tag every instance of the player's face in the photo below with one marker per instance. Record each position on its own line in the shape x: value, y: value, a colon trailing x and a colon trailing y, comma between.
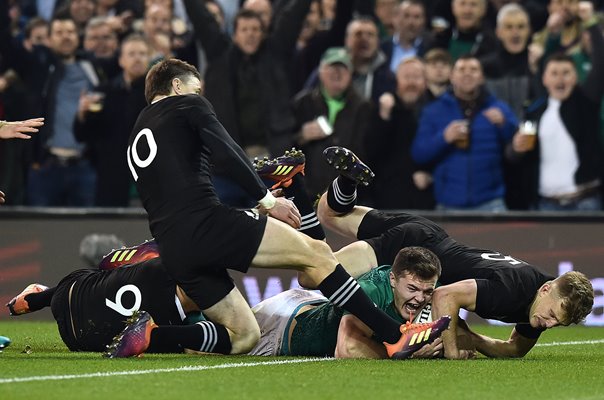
x: 191, y: 85
x: 546, y: 311
x: 411, y: 294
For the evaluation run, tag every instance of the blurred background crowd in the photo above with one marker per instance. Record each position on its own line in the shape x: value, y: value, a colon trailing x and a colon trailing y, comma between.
x: 487, y: 105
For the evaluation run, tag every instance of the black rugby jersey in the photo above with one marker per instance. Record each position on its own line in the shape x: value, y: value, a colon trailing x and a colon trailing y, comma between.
x: 506, y: 286
x: 101, y: 301
x: 170, y: 152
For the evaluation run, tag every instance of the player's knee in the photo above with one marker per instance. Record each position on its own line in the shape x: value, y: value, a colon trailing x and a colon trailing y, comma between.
x: 323, y: 263
x: 244, y: 341
x: 324, y: 212
x: 306, y: 281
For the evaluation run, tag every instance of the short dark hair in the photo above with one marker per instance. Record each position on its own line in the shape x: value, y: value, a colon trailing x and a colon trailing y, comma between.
x: 134, y: 37
x: 417, y: 261
x: 466, y: 57
x: 60, y: 17
x: 159, y: 78
x: 34, y: 23
x: 248, y: 14
x: 559, y: 57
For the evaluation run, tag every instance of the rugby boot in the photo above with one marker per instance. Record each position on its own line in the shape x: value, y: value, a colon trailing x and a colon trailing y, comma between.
x: 4, y: 342
x: 416, y: 336
x: 134, y: 338
x: 348, y: 164
x: 281, y: 169
x: 18, y: 305
x: 129, y: 255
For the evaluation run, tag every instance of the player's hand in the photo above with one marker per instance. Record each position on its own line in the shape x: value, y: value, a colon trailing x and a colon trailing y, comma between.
x: 460, y: 355
x: 1, y: 197
x: 20, y: 129
x: 432, y: 350
x: 285, y: 210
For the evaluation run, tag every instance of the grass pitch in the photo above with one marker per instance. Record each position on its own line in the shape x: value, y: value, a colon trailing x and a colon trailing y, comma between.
x: 567, y: 364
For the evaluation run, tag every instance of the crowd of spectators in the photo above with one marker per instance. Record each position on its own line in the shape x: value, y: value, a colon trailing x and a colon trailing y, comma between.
x: 487, y: 105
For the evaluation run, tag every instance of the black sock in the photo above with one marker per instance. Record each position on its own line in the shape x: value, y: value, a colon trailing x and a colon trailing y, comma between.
x: 37, y: 301
x: 203, y: 336
x: 342, y: 194
x: 298, y: 194
x: 342, y: 290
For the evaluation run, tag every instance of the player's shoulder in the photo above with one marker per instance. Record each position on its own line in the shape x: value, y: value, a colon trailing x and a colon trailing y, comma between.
x: 196, y: 101
x: 376, y: 277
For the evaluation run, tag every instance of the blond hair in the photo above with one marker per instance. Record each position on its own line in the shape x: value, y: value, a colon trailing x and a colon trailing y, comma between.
x: 577, y: 295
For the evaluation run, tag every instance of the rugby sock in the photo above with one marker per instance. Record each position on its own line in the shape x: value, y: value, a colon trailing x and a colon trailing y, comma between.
x: 342, y: 194
x: 298, y: 194
x: 342, y: 290
x: 203, y: 336
x: 38, y: 301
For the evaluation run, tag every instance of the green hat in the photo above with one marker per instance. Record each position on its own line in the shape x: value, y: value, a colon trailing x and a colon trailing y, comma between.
x: 335, y: 55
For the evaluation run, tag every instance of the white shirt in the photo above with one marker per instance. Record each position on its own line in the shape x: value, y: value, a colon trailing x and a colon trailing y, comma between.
x: 559, y: 159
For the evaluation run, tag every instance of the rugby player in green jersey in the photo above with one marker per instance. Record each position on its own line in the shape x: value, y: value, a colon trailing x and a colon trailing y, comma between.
x: 302, y: 322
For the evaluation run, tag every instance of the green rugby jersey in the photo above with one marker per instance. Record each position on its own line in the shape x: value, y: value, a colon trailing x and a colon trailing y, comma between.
x: 316, y: 330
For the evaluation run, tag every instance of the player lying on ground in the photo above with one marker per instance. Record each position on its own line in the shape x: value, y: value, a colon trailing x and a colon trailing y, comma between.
x: 300, y: 322
x: 90, y: 305
x: 491, y: 284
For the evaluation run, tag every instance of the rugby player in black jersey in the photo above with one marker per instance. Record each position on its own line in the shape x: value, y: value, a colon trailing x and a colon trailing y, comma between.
x: 493, y: 285
x: 173, y: 143
x: 91, y: 306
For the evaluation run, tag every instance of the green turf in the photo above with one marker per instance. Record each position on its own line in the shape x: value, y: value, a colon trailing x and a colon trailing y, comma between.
x: 554, y: 372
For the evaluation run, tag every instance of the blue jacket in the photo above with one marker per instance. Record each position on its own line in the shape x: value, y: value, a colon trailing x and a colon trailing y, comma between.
x: 464, y: 178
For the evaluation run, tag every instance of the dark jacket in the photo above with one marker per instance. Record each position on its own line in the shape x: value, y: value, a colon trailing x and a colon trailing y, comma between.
x: 42, y: 71
x: 348, y: 131
x: 388, y: 149
x: 106, y: 133
x: 271, y: 65
x: 484, y: 40
x: 580, y: 113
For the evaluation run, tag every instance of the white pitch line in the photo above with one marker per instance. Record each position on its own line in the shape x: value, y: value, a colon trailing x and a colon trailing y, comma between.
x: 160, y: 370
x: 221, y: 366
x: 599, y: 341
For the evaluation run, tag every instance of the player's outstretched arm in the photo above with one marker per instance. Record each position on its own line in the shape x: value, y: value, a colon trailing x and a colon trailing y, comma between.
x: 355, y: 340
x: 20, y: 129
x: 448, y: 300
x: 516, y: 346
